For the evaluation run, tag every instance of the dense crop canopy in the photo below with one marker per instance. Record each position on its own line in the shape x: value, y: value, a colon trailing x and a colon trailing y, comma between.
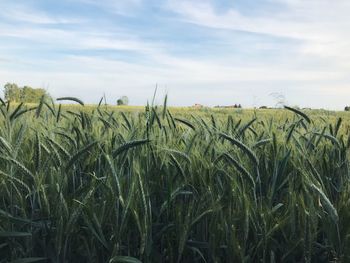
x: 104, y: 184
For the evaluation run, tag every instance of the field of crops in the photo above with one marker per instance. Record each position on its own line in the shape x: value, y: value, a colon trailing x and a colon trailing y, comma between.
x: 151, y: 184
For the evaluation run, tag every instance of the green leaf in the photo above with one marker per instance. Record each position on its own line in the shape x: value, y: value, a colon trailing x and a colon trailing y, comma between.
x: 72, y: 99
x: 15, y: 234
x: 128, y: 145
x: 80, y: 153
x: 302, y: 114
x: 187, y: 123
x: 124, y: 259
x: 28, y: 260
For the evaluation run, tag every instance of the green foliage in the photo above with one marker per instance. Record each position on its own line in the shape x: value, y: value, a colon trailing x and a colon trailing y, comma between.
x: 12, y: 92
x: 23, y: 94
x: 102, y: 184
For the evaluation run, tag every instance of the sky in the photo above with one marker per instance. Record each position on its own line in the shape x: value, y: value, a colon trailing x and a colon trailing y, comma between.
x: 211, y: 52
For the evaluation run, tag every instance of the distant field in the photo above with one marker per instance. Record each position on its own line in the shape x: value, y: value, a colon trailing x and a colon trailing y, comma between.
x: 157, y: 184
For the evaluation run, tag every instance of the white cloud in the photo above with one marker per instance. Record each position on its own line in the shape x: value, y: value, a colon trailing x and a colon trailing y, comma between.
x: 323, y: 25
x: 74, y: 39
x: 187, y: 81
x: 24, y: 13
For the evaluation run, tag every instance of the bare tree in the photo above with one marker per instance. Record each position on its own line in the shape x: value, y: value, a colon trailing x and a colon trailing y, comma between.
x: 279, y: 98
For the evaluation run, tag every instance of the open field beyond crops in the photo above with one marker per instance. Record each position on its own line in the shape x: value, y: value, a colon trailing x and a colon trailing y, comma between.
x: 151, y: 184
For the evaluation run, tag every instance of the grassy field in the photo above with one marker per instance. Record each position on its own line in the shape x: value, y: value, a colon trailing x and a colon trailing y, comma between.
x: 150, y: 184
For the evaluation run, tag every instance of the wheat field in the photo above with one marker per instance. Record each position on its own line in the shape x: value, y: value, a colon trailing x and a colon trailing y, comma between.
x: 155, y: 184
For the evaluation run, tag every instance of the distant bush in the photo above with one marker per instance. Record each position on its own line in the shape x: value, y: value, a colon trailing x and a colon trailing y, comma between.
x: 123, y: 101
x: 347, y: 108
x: 235, y: 106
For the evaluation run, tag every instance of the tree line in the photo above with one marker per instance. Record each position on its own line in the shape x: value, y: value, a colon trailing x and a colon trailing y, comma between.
x: 26, y: 94
x: 13, y: 92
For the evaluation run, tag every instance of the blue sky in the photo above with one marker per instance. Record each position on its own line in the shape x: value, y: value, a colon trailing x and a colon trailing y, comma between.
x: 213, y: 52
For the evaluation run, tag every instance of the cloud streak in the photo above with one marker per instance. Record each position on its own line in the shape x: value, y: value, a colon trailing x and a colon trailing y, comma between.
x: 21, y: 12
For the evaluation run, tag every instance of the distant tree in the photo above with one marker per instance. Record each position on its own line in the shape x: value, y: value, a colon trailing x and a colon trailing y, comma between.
x: 32, y: 95
x: 12, y: 92
x: 124, y: 100
x: 347, y: 108
x: 279, y: 98
x: 26, y: 94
